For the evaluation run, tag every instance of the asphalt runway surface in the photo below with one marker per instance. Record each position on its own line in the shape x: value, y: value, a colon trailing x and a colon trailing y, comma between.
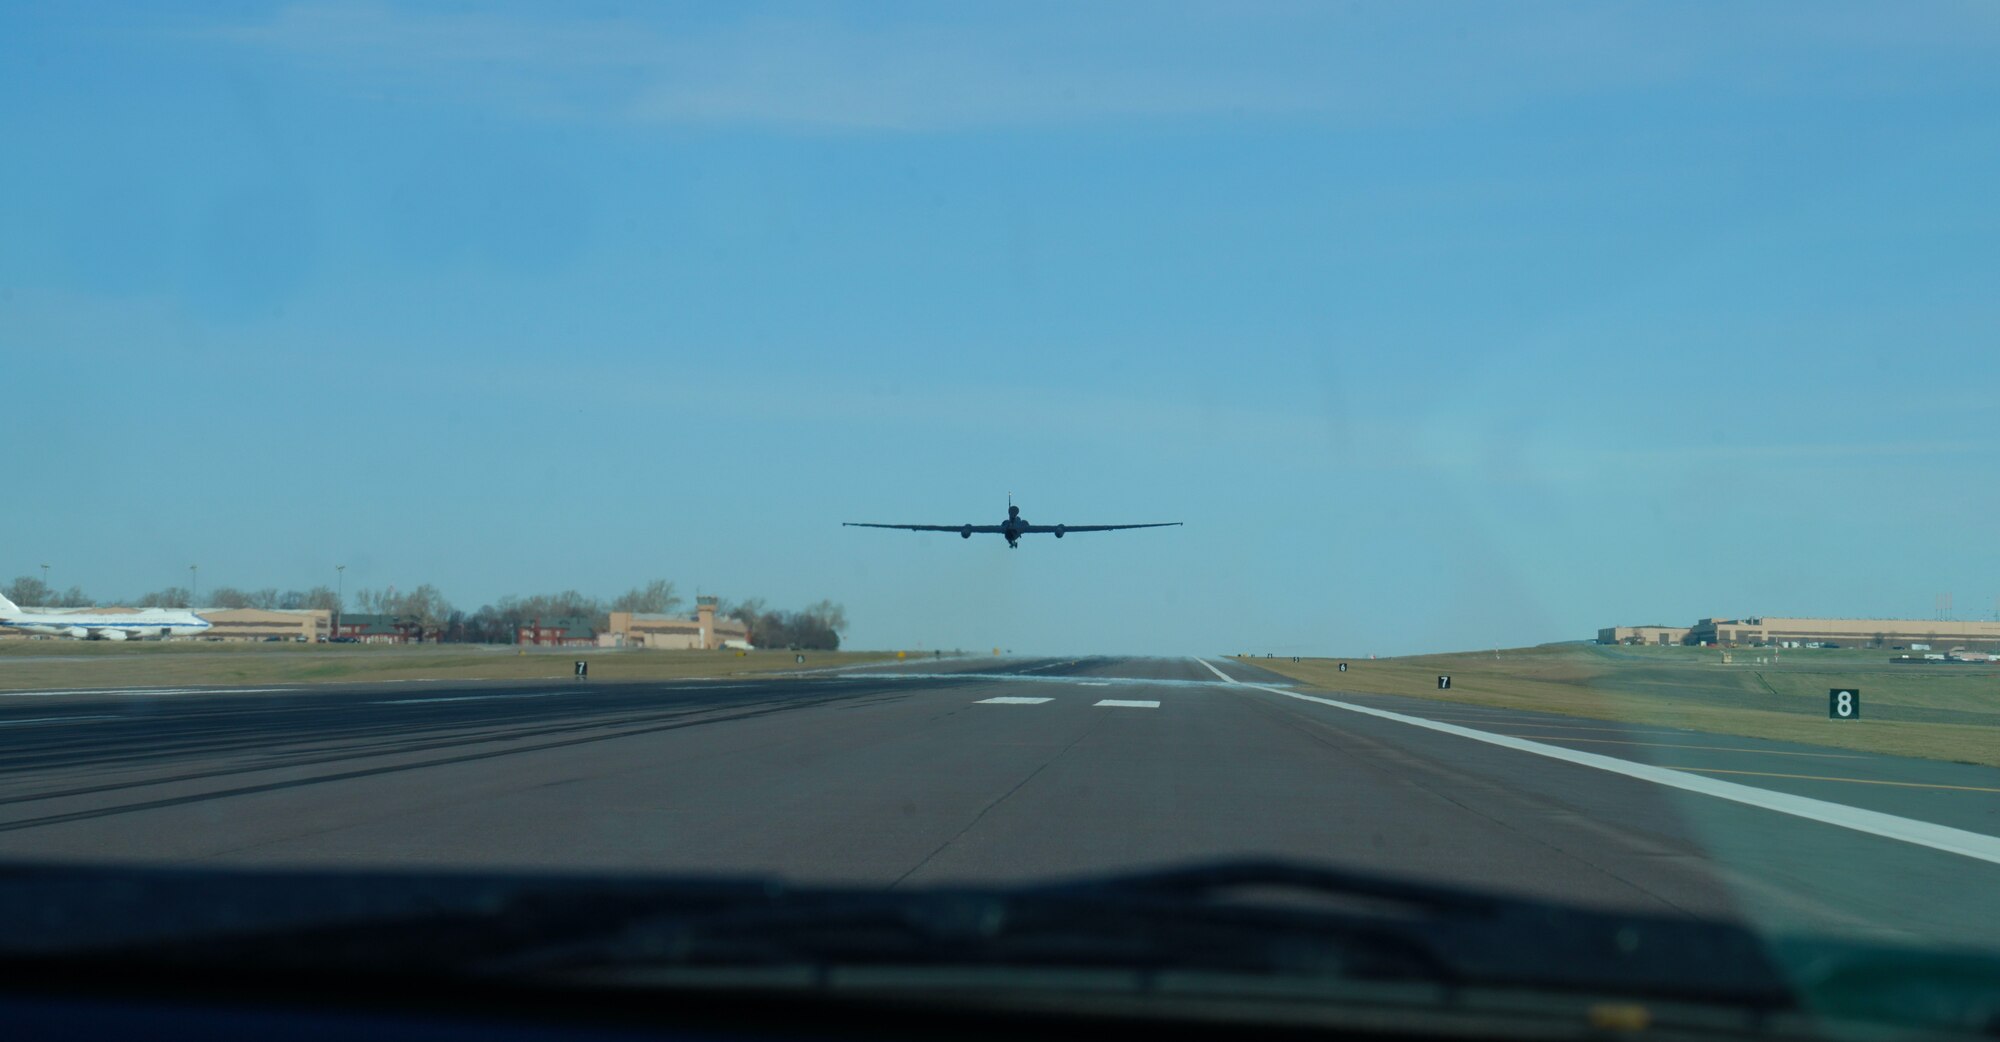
x: 1002, y: 771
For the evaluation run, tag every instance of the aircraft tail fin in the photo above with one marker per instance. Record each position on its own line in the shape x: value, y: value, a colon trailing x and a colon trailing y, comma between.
x: 8, y: 607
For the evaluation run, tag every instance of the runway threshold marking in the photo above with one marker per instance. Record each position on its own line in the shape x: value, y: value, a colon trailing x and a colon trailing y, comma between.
x: 1871, y: 822
x: 1702, y: 748
x: 1129, y: 703
x: 1011, y: 700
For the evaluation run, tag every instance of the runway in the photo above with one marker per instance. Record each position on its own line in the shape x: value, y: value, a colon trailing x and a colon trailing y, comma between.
x: 997, y: 771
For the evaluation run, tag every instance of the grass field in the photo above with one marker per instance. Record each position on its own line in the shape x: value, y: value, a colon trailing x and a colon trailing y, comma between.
x: 49, y: 664
x: 1935, y: 711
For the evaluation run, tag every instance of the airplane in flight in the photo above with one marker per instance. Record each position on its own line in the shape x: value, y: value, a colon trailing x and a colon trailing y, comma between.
x: 1013, y: 528
x: 89, y: 625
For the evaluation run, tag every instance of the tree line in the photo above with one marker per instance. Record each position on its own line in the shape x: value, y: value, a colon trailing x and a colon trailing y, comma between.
x: 427, y: 610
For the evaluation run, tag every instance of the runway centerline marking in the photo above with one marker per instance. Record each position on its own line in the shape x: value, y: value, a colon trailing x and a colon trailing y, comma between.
x: 1129, y: 703
x: 1702, y: 748
x: 1011, y: 700
x: 1871, y: 822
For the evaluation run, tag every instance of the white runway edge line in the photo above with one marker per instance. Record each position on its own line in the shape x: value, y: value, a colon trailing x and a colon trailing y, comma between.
x: 1226, y: 678
x: 1875, y: 823
x: 143, y: 691
x: 467, y: 698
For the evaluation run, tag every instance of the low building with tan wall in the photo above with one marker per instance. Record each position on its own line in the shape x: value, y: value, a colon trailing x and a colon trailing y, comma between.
x: 1849, y: 633
x: 298, y: 624
x: 701, y: 632
x: 1643, y: 635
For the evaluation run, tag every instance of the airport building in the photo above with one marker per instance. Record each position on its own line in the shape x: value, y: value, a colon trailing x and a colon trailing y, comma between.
x: 1766, y: 630
x: 703, y: 632
x: 308, y: 625
x: 369, y: 628
x: 1643, y: 635
x: 567, y: 631
x: 1847, y: 633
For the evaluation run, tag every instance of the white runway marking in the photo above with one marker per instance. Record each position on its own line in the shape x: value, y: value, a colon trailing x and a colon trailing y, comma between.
x: 1043, y: 681
x: 143, y: 691
x: 1226, y: 678
x: 1875, y: 823
x: 56, y: 720
x: 466, y: 698
x: 1011, y: 700
x: 1121, y: 703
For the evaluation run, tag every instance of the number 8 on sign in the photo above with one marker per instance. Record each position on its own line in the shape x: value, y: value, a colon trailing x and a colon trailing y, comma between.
x: 1843, y: 703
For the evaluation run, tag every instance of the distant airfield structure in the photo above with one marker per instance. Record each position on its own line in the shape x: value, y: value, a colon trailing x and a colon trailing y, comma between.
x: 1777, y: 631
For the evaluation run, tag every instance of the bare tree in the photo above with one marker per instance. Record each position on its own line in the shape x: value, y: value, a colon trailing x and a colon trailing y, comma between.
x: 228, y: 597
x: 425, y: 606
x: 655, y: 598
x: 818, y: 626
x: 568, y: 603
x: 29, y: 591
x: 170, y: 597
x: 828, y: 614
x: 321, y: 597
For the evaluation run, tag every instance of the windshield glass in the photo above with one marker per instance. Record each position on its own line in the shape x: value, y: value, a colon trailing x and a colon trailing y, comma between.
x: 1535, y: 452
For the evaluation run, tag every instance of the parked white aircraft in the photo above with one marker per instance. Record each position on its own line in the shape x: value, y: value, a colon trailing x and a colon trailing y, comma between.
x: 98, y: 625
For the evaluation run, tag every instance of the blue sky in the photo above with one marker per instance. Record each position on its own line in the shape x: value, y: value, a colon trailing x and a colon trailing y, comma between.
x: 1441, y: 326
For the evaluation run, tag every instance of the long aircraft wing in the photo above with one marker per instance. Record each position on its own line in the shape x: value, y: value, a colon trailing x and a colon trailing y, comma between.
x: 1096, y: 528
x: 925, y: 528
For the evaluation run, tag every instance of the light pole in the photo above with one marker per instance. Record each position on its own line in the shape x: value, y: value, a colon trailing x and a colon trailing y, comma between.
x: 45, y: 580
x: 339, y: 595
x: 194, y: 587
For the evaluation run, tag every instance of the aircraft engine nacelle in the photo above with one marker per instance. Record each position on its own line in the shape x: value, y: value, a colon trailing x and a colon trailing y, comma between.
x: 114, y: 634
x: 965, y: 533
x: 1059, y: 531
x: 77, y: 633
